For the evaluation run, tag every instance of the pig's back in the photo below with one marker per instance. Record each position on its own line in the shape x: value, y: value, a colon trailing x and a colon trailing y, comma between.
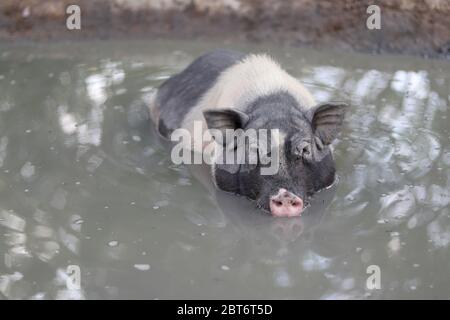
x: 244, y: 82
x: 177, y: 96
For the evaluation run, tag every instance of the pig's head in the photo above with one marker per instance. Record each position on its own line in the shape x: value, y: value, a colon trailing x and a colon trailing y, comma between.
x: 305, y: 162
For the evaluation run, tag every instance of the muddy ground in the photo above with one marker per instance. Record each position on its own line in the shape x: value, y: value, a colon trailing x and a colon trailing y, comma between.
x: 419, y: 27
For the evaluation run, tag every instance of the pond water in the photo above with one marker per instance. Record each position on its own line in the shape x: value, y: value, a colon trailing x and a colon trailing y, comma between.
x: 86, y: 183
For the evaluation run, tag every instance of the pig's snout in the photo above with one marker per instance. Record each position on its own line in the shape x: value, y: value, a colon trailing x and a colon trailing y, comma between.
x: 286, y: 204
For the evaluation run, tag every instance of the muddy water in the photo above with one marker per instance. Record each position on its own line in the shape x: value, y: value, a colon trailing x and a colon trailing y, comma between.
x: 86, y: 184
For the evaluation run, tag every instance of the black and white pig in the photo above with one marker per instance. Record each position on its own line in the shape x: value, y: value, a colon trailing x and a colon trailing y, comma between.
x: 225, y: 89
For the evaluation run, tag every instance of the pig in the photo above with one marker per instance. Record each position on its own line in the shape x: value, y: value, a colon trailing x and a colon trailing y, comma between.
x: 226, y: 89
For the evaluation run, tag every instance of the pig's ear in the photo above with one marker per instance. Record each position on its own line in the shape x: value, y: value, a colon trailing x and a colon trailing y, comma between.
x: 223, y: 119
x: 327, y: 120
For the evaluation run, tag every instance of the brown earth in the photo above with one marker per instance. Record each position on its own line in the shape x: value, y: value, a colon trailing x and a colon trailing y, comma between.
x: 420, y: 27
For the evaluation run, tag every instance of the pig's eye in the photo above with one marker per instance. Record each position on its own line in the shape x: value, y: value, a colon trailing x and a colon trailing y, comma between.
x: 306, y: 150
x: 303, y: 150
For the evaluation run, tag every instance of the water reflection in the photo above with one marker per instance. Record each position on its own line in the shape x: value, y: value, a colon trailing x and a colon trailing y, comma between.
x: 84, y: 180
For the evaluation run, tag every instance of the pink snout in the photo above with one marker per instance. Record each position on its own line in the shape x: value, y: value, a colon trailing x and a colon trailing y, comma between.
x: 285, y: 204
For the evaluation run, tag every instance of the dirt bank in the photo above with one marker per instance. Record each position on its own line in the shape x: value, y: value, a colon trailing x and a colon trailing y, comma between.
x: 419, y: 27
